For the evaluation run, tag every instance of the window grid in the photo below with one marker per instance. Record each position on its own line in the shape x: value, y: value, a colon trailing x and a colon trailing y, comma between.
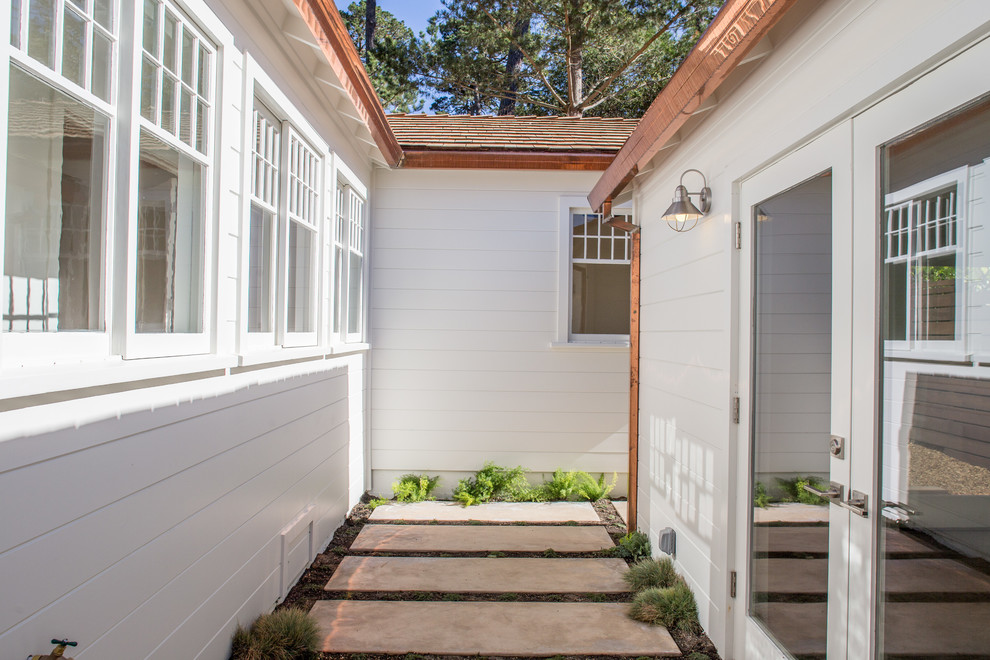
x: 356, y: 212
x: 176, y: 75
x: 304, y: 173
x: 920, y: 227
x: 595, y: 242
x: 267, y: 145
x: 78, y: 42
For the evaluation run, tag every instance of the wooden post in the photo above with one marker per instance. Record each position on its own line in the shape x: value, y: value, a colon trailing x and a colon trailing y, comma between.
x: 633, y: 384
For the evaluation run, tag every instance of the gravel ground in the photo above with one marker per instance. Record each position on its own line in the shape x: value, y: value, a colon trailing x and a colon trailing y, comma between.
x: 932, y: 468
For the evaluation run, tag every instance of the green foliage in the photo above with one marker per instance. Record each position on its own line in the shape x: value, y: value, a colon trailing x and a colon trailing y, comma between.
x: 592, y: 490
x: 760, y: 497
x: 288, y: 634
x: 562, y: 486
x: 414, y: 487
x: 619, y: 54
x: 651, y: 573
x: 671, y: 607
x: 491, y: 483
x: 391, y: 61
x: 376, y: 502
x: 550, y: 553
x: 634, y: 546
x: 794, y: 491
x: 697, y: 655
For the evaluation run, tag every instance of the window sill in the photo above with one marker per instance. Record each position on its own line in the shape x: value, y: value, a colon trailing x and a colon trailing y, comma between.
x: 30, y: 381
x: 347, y: 349
x: 277, y: 354
x: 591, y: 347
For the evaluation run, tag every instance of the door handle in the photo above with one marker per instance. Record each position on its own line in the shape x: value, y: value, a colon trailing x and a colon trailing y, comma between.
x: 857, y: 503
x: 834, y: 492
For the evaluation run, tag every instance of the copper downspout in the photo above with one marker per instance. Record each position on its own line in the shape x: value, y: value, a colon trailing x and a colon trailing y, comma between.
x: 633, y: 385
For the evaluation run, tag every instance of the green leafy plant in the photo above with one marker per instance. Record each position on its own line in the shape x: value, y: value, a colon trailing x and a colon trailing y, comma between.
x: 414, y: 487
x: 760, y: 497
x: 671, y: 607
x: 594, y: 490
x: 288, y: 634
x: 562, y: 486
x: 376, y: 502
x: 634, y: 546
x: 794, y: 491
x: 651, y: 573
x: 492, y: 483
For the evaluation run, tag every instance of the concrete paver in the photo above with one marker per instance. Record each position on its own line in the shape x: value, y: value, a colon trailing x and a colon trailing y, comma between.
x: 470, y: 628
x: 530, y: 512
x: 479, y: 575
x: 480, y: 538
x: 622, y: 508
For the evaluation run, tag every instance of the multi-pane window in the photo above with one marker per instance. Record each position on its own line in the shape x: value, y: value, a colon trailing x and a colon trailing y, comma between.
x: 339, y: 253
x: 176, y: 84
x: 174, y: 141
x: 57, y: 158
x: 600, y: 272
x: 283, y: 230
x: 921, y: 245
x: 263, y: 228
x: 303, y: 223
x: 355, y: 267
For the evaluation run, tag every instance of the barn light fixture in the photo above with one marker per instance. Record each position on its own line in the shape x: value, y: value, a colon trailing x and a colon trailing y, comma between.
x: 682, y: 214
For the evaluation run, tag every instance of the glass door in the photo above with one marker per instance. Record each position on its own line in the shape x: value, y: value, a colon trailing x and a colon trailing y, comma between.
x: 798, y: 282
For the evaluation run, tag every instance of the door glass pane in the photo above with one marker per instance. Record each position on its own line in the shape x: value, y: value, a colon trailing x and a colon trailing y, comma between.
x: 169, y: 241
x: 934, y: 589
x: 791, y: 417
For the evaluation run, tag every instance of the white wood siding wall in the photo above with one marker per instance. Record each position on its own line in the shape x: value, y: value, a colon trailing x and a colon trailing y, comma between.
x: 464, y: 309
x: 148, y: 523
x: 830, y: 61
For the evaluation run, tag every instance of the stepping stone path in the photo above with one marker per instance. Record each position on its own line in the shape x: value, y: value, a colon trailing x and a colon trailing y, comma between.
x: 526, y: 626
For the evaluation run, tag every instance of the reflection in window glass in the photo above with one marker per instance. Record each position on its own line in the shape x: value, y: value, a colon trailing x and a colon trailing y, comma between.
x: 53, y: 233
x: 935, y: 431
x: 169, y: 242
x: 260, y: 270
x: 15, y: 23
x: 41, y: 29
x: 600, y: 277
x: 74, y: 47
x: 299, y: 303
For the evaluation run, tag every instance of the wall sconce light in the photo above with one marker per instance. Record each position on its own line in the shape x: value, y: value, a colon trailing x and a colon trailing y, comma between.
x: 682, y: 214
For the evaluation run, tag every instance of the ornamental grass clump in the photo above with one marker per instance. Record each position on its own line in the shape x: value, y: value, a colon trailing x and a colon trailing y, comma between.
x: 414, y: 487
x: 671, y: 607
x: 288, y: 634
x: 651, y: 573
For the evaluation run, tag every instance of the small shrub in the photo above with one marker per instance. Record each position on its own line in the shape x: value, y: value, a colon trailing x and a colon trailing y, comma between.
x: 592, y: 490
x: 562, y: 486
x: 650, y: 573
x: 289, y: 634
x: 376, y: 502
x: 491, y: 483
x: 414, y: 487
x: 634, y: 546
x: 760, y: 497
x: 671, y: 607
x: 793, y: 490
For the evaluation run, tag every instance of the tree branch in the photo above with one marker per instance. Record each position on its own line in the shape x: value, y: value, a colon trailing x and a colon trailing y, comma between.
x: 618, y: 92
x: 493, y: 92
x: 601, y: 87
x: 525, y: 54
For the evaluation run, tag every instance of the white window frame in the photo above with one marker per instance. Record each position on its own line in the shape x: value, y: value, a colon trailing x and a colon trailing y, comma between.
x: 568, y: 206
x: 255, y: 346
x: 350, y: 188
x: 921, y: 349
x: 25, y: 349
x: 141, y: 344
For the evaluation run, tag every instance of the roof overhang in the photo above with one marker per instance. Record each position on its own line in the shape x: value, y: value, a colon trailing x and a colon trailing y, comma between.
x: 504, y: 160
x: 327, y: 28
x: 739, y: 26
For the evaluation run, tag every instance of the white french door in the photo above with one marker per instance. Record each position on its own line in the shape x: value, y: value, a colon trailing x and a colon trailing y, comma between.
x: 864, y: 327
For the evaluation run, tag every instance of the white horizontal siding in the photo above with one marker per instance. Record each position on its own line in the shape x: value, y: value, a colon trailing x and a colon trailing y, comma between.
x: 464, y: 309
x: 168, y: 512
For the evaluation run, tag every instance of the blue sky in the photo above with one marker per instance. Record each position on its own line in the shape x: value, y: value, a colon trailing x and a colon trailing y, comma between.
x: 414, y: 13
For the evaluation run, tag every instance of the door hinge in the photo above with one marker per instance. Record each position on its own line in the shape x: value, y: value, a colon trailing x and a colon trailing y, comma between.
x: 732, y: 584
x: 735, y: 410
x: 738, y: 235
